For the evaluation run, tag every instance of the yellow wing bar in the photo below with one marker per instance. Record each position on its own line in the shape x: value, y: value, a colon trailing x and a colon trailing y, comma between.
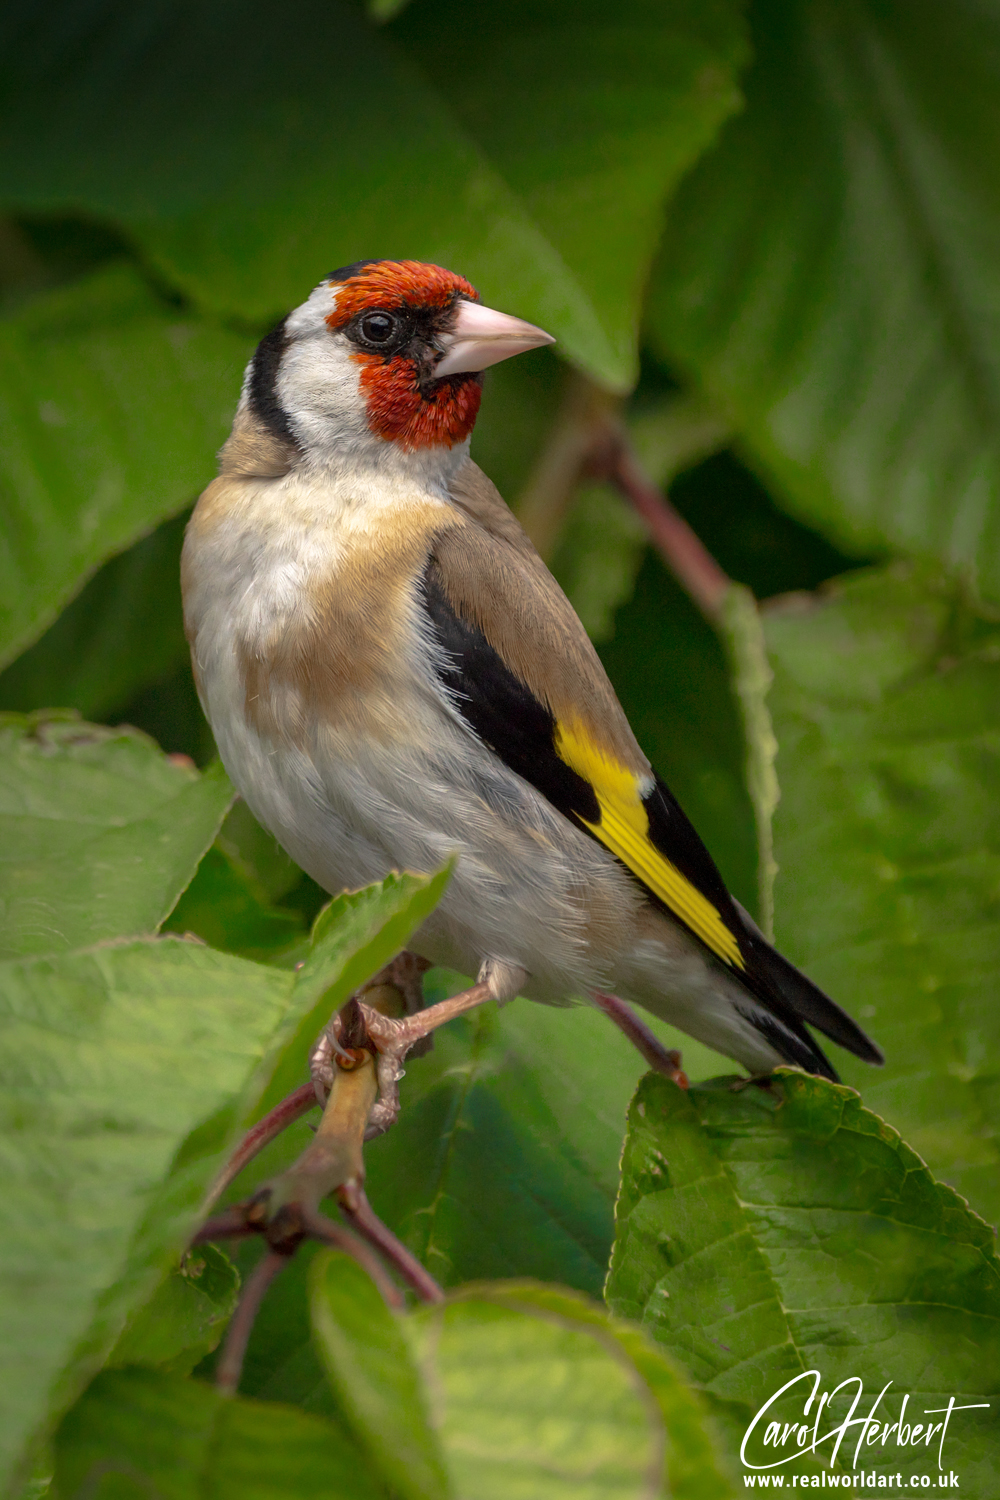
x: 624, y: 829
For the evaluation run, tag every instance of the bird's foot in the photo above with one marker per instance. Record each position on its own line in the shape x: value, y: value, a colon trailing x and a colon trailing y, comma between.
x: 395, y: 1037
x: 665, y: 1060
x: 763, y: 1081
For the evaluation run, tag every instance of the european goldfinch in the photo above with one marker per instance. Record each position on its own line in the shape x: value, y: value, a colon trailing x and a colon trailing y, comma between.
x: 393, y: 676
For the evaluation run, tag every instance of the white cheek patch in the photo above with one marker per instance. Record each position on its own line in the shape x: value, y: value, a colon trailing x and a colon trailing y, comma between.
x: 318, y: 387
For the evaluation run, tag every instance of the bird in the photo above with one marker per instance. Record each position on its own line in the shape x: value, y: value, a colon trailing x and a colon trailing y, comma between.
x: 394, y: 679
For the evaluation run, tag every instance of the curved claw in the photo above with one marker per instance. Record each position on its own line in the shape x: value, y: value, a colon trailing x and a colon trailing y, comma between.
x: 321, y: 1059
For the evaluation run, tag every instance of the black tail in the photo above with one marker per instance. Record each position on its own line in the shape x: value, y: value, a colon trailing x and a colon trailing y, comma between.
x: 794, y: 999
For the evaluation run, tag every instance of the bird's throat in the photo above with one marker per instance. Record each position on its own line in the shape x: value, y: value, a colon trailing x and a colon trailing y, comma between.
x: 413, y: 416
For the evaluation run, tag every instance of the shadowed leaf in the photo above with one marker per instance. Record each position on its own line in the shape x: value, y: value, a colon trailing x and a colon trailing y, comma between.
x: 829, y: 272
x: 886, y: 706
x: 112, y: 406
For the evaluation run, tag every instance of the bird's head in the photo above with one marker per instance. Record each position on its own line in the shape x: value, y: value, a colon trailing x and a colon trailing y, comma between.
x: 384, y: 358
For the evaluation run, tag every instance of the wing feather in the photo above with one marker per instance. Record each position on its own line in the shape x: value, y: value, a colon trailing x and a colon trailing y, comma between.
x: 624, y: 827
x: 521, y: 672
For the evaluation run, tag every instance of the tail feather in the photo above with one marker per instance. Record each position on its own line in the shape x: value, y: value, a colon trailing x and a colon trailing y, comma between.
x: 787, y: 992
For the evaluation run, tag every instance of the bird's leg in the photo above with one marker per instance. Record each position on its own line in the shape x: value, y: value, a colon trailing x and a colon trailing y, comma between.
x: 394, y: 1038
x: 661, y: 1059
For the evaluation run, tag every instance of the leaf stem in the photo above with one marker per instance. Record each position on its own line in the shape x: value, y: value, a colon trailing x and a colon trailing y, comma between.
x: 291, y: 1108
x: 690, y: 561
x: 319, y: 1227
x: 367, y: 1222
x: 230, y: 1365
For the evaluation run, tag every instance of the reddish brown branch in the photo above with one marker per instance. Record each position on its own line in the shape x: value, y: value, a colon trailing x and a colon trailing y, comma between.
x: 685, y: 555
x: 319, y: 1227
x: 230, y: 1365
x: 291, y: 1108
x: 367, y: 1222
x: 231, y: 1224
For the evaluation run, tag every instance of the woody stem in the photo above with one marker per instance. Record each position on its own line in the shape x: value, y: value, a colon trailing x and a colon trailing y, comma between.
x: 291, y: 1108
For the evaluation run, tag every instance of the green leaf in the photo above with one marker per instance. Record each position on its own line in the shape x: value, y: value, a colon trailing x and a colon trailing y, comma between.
x: 536, y: 1403
x: 139, y: 1432
x: 693, y: 1467
x: 368, y: 1363
x: 543, y: 148
x: 765, y: 1234
x: 829, y: 273
x: 124, y: 632
x: 113, y: 406
x: 505, y: 1159
x: 225, y: 908
x: 886, y: 705
x: 99, y: 832
x: 123, y: 1072
x: 592, y: 116
x: 185, y: 1317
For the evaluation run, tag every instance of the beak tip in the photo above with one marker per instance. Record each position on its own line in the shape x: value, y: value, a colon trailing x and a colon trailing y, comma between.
x: 482, y: 337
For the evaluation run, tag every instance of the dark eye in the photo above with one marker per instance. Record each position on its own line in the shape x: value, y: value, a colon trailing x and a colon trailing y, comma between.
x: 379, y: 328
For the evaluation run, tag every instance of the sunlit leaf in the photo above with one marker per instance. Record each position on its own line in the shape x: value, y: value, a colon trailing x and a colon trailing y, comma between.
x: 762, y: 1235
x: 693, y: 1466
x: 368, y: 1363
x: 126, y: 1070
x: 121, y: 1072
x: 99, y: 832
x: 536, y: 1403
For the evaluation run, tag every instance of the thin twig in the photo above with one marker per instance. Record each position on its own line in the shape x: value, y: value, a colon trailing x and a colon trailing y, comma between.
x: 690, y: 561
x: 299, y: 1102
x: 339, y: 1237
x: 231, y: 1224
x: 230, y: 1365
x: 367, y: 1222
x: 661, y: 1059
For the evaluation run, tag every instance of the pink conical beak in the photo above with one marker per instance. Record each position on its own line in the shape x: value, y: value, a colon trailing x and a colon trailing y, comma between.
x: 480, y: 337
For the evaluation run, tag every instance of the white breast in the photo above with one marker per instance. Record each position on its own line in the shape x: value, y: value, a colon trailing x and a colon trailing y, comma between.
x: 350, y: 802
